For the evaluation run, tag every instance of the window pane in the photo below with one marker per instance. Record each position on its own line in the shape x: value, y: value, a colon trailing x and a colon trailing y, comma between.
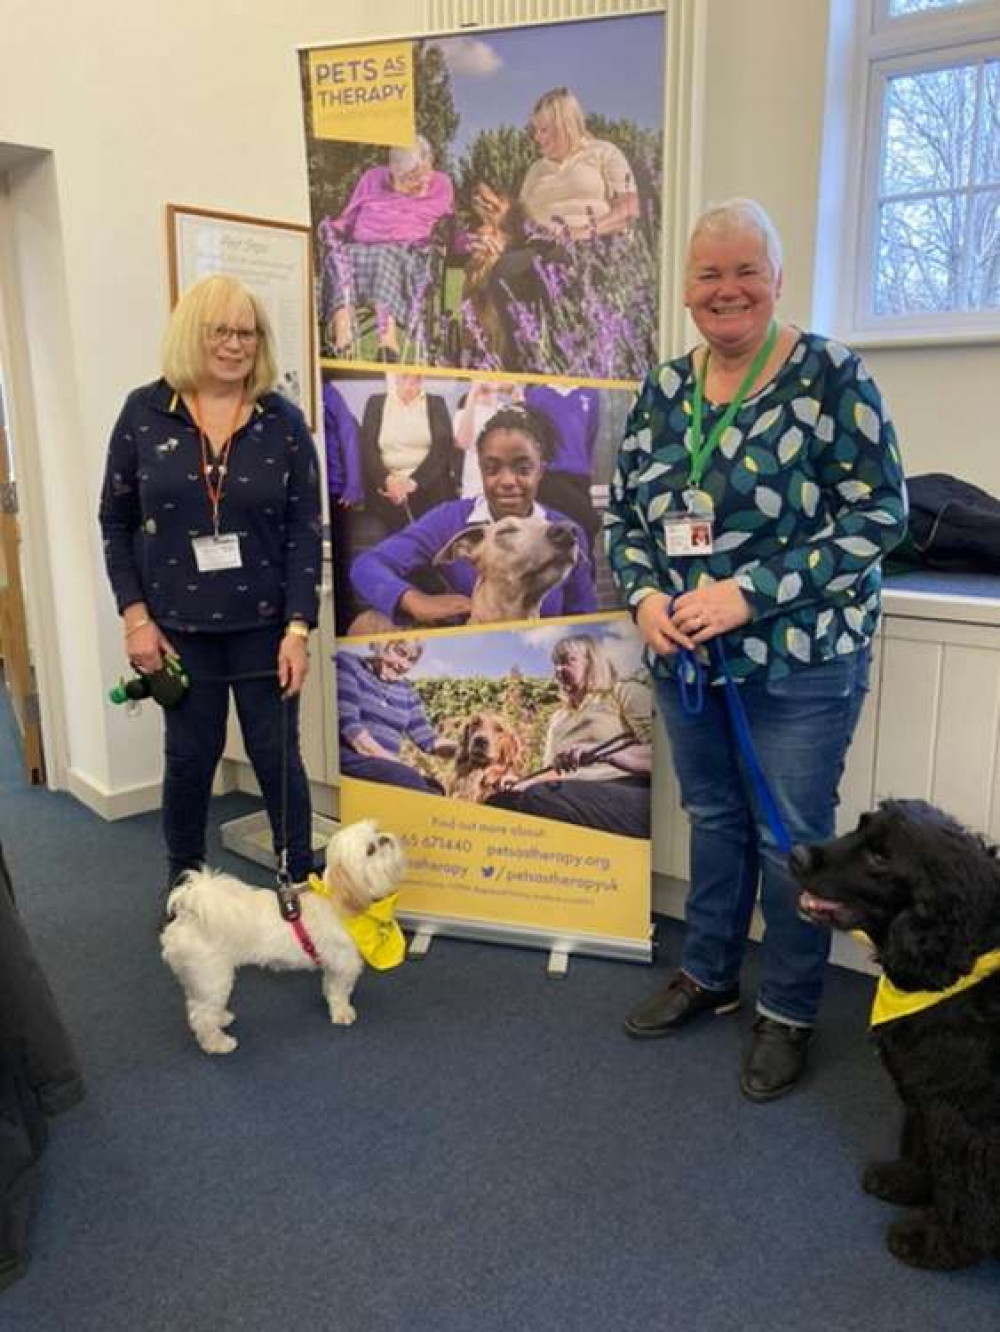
x: 988, y: 157
x: 984, y: 266
x: 928, y: 130
x: 919, y: 250
x: 898, y: 7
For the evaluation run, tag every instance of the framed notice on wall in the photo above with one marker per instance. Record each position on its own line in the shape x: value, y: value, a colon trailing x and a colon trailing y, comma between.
x: 273, y: 259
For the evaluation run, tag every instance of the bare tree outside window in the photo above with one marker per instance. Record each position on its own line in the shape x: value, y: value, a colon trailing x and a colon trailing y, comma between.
x: 897, y: 8
x: 938, y: 238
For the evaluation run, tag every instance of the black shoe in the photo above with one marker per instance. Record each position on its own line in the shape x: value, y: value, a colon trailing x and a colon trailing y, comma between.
x: 775, y: 1060
x: 681, y: 1000
x: 172, y: 881
x: 387, y: 354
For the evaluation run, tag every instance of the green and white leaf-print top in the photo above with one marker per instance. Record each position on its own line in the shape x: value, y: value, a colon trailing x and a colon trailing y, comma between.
x: 809, y: 494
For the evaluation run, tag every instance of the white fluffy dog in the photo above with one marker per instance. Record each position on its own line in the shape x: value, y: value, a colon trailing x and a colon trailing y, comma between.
x: 220, y: 924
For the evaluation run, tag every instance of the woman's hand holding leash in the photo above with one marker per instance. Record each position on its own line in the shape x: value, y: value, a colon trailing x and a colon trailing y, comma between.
x: 657, y: 628
x: 709, y: 610
x: 293, y: 664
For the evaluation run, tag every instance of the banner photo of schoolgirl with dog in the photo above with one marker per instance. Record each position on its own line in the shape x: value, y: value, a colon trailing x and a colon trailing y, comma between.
x: 467, y: 501
x: 486, y: 215
x: 490, y: 201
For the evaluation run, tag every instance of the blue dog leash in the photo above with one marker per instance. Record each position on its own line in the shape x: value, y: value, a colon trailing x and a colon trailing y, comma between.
x: 691, y: 681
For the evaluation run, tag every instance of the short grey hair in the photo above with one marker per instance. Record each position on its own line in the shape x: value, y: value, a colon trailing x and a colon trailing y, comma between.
x: 418, y: 154
x: 740, y: 214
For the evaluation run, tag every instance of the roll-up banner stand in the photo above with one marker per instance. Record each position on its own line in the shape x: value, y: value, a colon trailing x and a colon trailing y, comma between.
x: 486, y: 218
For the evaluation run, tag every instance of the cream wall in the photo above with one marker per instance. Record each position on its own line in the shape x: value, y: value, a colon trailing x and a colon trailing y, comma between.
x: 132, y: 111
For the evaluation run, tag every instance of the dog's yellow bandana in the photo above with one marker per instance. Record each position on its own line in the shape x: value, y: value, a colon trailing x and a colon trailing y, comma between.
x: 378, y: 938
x: 892, y: 1003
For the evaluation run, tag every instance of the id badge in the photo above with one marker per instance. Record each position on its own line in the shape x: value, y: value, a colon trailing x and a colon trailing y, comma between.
x: 687, y: 534
x: 213, y: 553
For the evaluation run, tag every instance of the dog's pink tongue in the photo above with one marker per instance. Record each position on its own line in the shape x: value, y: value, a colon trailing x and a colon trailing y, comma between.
x: 811, y: 903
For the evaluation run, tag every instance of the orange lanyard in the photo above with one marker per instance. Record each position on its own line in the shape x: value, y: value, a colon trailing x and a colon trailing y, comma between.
x: 213, y: 489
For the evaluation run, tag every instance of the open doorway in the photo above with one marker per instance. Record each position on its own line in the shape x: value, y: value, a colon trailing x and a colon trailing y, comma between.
x: 18, y: 672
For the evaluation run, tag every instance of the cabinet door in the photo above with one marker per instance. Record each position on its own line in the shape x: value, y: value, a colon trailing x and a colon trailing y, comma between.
x: 939, y: 718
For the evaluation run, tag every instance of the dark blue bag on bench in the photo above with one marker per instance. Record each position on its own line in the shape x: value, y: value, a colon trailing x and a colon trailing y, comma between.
x: 953, y: 525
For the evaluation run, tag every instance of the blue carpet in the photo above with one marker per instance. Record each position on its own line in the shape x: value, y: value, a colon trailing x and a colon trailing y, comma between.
x: 483, y: 1150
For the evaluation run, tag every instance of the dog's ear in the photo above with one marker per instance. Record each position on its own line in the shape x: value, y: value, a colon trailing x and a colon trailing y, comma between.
x: 464, y: 545
x: 510, y: 748
x: 927, y: 946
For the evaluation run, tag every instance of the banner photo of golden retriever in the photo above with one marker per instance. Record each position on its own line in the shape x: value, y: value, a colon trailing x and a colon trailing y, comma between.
x: 553, y: 722
x: 467, y: 501
x: 503, y: 211
x: 514, y: 765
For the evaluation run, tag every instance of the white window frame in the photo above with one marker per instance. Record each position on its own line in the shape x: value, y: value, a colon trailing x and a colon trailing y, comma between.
x: 867, y: 48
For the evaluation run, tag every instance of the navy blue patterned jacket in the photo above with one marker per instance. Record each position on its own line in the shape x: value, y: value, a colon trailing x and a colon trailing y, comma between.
x: 154, y: 502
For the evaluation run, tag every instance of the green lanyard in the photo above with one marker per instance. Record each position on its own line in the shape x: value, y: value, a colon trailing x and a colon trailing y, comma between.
x: 699, y: 448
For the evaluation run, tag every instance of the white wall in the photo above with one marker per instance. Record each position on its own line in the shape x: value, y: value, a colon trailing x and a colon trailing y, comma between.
x: 136, y: 106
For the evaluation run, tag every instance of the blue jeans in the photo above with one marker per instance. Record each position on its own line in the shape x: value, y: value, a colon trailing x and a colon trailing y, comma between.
x: 801, y: 729
x: 196, y: 737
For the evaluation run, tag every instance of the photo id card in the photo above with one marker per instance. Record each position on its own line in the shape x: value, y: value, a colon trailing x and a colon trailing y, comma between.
x: 212, y: 553
x: 686, y: 534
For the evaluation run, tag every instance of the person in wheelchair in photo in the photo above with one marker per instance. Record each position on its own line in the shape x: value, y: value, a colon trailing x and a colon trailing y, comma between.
x: 379, y: 251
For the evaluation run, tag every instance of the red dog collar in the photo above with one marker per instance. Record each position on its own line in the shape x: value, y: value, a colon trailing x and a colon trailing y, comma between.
x: 306, y: 944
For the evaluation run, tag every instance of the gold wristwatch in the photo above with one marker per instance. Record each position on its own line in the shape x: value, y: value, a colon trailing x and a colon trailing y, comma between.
x: 298, y: 628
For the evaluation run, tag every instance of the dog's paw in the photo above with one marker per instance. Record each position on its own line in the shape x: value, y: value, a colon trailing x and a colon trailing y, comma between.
x: 216, y: 1042
x: 904, y: 1183
x: 922, y: 1242
x: 342, y: 1015
x: 226, y: 1018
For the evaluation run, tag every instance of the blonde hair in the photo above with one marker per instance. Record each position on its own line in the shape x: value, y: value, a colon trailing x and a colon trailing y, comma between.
x: 739, y: 214
x: 212, y: 301
x: 599, y: 675
x: 560, y: 107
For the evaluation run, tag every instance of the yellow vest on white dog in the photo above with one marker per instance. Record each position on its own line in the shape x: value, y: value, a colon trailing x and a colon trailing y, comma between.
x: 375, y: 932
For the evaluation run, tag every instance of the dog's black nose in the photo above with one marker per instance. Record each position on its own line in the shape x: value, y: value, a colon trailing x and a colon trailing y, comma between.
x: 801, y: 859
x: 385, y: 840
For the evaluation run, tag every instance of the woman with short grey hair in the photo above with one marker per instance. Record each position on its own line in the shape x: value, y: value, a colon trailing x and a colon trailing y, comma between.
x: 758, y: 486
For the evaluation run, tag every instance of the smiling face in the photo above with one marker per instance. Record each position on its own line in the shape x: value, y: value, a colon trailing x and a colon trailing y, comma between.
x: 511, y: 464
x: 412, y: 182
x: 394, y: 659
x: 229, y: 346
x: 571, y: 667
x: 408, y: 387
x: 730, y: 289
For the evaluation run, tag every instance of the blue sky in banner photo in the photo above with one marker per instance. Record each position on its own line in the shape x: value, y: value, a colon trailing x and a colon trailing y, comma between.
x: 492, y: 654
x: 614, y: 66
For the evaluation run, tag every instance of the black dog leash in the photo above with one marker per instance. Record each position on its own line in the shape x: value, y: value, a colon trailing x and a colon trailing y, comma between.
x: 625, y: 740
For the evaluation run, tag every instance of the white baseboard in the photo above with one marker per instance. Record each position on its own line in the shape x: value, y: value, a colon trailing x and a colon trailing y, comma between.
x: 111, y: 805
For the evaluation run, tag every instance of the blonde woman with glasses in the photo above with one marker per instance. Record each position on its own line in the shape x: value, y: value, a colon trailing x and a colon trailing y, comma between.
x: 210, y: 514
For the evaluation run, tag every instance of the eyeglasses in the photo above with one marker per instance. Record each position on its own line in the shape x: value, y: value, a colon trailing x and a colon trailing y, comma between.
x: 219, y: 333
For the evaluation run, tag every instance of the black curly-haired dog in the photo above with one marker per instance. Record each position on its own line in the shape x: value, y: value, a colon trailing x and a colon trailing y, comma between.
x: 926, y: 892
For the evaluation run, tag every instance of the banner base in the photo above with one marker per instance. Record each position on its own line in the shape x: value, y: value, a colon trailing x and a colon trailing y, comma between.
x: 250, y: 837
x: 563, y: 946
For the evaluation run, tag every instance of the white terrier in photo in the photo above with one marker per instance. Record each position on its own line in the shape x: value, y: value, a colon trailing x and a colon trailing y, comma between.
x: 220, y: 924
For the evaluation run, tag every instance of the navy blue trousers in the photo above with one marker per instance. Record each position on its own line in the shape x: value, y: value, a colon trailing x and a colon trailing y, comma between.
x: 245, y: 662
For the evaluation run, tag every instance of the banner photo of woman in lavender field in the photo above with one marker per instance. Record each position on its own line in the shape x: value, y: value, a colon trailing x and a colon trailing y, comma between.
x: 491, y: 201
